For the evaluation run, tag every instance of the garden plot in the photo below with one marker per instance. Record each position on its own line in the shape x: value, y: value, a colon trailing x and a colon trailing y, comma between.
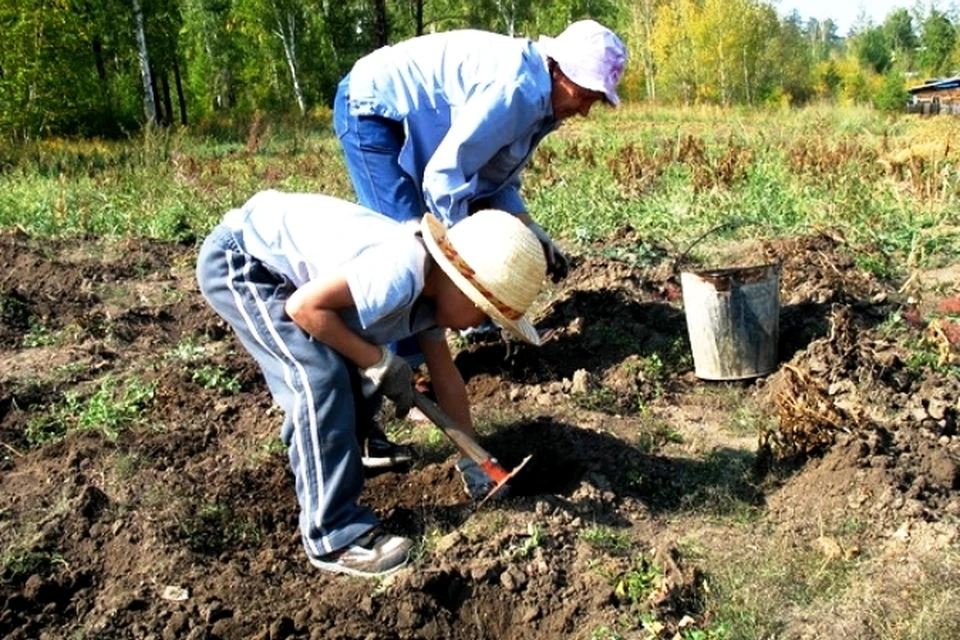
x: 144, y: 492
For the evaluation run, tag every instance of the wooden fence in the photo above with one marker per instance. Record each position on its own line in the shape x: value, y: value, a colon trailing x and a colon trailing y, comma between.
x: 935, y: 108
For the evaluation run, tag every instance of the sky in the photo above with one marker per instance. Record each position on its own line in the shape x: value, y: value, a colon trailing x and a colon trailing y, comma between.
x: 843, y: 12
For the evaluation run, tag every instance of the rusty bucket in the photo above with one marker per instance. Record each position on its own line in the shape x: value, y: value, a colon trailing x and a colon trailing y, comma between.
x: 733, y: 320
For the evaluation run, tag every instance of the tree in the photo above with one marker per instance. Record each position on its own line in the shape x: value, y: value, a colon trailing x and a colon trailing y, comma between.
x: 938, y: 38
x: 873, y: 49
x: 892, y: 94
x: 149, y: 100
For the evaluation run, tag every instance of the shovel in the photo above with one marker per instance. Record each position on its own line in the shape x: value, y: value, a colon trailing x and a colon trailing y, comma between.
x: 467, y: 445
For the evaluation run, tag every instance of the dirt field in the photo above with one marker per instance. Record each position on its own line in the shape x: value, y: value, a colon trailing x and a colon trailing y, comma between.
x: 167, y: 511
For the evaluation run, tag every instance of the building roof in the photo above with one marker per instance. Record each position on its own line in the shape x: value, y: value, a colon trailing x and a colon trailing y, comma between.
x: 937, y: 85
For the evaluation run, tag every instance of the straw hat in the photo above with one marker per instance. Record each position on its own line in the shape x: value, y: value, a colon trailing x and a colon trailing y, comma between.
x: 495, y: 260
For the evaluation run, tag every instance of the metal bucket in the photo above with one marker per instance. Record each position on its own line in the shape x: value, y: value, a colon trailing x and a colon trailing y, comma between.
x: 733, y: 320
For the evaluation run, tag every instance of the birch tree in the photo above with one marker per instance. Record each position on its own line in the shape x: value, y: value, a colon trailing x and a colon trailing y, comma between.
x: 149, y: 100
x: 285, y: 20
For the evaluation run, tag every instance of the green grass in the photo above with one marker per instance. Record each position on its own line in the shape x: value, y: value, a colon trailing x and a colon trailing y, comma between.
x: 673, y: 174
x: 213, y: 527
x: 606, y: 540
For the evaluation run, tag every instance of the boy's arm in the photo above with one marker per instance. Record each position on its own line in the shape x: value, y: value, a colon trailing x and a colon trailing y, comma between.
x: 447, y: 383
x: 313, y: 307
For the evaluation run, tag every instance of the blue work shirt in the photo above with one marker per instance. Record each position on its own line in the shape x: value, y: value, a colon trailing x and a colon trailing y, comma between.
x: 474, y: 106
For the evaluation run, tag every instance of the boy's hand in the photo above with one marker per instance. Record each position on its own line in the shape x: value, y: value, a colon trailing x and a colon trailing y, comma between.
x: 393, y: 377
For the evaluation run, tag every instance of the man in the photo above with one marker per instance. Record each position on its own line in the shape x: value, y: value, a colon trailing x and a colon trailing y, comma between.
x: 446, y: 122
x: 313, y: 287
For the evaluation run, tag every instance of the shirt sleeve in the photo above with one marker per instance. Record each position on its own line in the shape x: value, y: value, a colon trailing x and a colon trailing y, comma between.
x: 492, y: 118
x: 381, y: 282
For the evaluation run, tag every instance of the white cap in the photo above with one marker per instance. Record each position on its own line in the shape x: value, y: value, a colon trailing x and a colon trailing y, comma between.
x: 591, y: 55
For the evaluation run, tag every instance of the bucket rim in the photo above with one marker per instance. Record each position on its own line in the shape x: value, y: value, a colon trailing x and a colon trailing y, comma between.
x: 730, y: 271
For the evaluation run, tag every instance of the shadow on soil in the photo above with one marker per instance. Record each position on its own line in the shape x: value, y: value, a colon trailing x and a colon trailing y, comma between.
x: 591, y: 330
x: 586, y: 466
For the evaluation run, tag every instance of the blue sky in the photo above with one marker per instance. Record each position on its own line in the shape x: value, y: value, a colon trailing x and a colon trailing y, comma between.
x: 842, y: 12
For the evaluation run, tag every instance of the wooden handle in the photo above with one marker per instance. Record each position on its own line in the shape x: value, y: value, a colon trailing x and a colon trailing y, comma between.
x: 467, y: 445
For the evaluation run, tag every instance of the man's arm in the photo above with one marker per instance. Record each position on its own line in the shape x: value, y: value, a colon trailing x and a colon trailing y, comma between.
x: 493, y: 118
x: 313, y: 307
x: 447, y: 383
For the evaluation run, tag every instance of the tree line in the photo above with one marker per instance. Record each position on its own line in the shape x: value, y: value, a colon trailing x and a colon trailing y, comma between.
x: 106, y: 67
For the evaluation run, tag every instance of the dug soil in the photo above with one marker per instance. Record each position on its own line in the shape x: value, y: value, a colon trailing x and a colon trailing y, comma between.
x: 143, y: 493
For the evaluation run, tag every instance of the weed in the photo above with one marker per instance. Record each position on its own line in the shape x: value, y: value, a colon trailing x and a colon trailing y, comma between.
x: 717, y: 631
x: 213, y: 527
x: 273, y: 446
x: 655, y: 434
x: 70, y: 369
x: 20, y: 563
x: 211, y: 376
x: 530, y: 542
x: 125, y: 465
x: 749, y: 420
x: 38, y: 336
x: 605, y: 633
x: 639, y: 582
x: 597, y: 399
x: 187, y: 350
x: 113, y: 408
x: 607, y: 540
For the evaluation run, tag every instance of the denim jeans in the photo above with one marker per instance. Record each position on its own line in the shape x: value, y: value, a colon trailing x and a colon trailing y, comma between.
x: 371, y: 148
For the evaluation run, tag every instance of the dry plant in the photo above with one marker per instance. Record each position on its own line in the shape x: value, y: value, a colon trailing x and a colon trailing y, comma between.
x: 809, y: 420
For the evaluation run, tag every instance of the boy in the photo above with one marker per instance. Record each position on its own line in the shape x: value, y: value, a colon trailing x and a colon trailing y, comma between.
x: 314, y: 287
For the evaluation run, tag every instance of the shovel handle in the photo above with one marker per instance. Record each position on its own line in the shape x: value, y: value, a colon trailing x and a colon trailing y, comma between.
x: 467, y: 445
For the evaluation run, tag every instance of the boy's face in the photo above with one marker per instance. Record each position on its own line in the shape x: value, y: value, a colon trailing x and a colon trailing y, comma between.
x: 454, y: 309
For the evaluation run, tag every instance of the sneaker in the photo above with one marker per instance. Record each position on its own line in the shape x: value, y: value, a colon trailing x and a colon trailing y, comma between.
x: 476, y: 483
x: 379, y: 453
x: 373, y: 554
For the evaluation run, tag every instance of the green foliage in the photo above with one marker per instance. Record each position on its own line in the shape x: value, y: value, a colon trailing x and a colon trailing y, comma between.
x: 938, y: 40
x: 217, y: 376
x: 718, y: 631
x: 607, y: 540
x: 873, y: 49
x: 655, y: 434
x: 113, y: 408
x: 532, y: 541
x: 18, y: 564
x: 597, y: 399
x: 892, y: 95
x: 638, y: 582
x: 605, y: 633
x: 73, y: 68
x: 38, y: 336
x: 213, y: 527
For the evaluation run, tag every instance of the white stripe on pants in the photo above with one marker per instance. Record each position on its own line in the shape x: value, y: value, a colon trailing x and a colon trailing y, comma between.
x: 312, y: 383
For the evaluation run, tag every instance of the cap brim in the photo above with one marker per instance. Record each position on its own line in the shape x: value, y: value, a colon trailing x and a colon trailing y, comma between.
x: 432, y: 229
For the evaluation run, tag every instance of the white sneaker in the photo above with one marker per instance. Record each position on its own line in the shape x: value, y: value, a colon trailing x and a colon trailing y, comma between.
x: 373, y: 554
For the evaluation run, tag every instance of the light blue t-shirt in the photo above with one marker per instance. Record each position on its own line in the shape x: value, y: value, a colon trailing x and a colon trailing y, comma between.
x: 474, y: 106
x: 307, y: 236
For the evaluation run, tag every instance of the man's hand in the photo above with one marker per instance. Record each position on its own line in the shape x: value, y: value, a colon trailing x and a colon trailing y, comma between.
x: 557, y: 263
x: 393, y: 377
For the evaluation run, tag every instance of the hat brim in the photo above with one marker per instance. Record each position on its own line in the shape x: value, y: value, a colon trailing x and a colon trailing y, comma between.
x: 433, y: 229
